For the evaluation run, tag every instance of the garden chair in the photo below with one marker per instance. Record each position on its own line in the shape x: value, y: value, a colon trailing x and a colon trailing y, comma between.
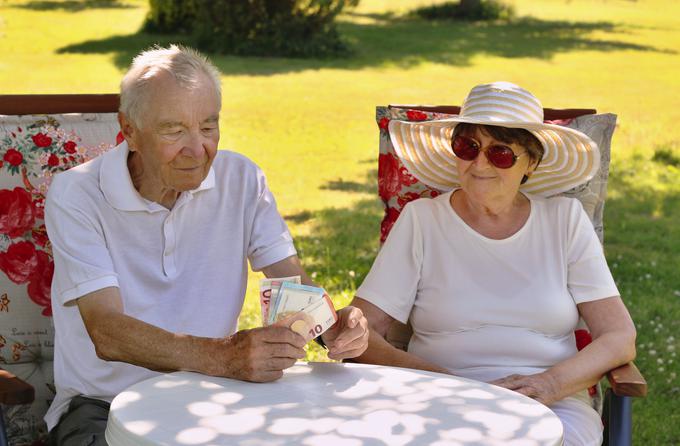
x: 39, y: 136
x: 397, y: 187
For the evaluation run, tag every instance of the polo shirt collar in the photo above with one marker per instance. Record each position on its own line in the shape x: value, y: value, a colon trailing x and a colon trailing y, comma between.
x: 116, y: 183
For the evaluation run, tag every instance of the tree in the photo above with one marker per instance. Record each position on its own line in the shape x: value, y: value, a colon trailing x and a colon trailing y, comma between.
x: 297, y: 28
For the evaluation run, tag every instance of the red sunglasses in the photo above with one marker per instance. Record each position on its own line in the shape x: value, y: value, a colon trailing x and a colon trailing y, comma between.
x: 467, y: 149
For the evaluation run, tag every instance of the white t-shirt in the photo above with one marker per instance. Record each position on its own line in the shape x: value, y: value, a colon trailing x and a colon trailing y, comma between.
x: 183, y: 270
x: 485, y: 308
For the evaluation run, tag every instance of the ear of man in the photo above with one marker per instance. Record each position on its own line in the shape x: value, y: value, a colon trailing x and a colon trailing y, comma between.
x: 128, y: 129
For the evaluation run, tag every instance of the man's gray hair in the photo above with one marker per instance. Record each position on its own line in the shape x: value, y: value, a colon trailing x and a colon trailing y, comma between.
x: 185, y: 64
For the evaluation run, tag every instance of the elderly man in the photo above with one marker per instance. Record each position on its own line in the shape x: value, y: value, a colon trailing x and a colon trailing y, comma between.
x: 150, y: 243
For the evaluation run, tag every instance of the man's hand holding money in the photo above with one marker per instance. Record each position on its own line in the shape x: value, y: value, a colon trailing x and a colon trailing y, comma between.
x: 258, y: 355
x: 308, y: 310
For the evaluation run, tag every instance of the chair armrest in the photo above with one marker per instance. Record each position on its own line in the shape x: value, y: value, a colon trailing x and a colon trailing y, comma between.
x: 14, y: 390
x: 627, y: 380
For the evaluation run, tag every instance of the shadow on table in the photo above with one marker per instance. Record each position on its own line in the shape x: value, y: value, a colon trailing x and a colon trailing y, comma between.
x: 372, y: 404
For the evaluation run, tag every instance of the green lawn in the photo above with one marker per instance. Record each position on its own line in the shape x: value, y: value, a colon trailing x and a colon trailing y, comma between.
x: 310, y: 125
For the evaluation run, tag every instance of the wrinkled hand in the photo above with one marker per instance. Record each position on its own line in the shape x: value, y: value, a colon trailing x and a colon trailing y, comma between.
x: 260, y: 354
x: 542, y: 387
x: 348, y: 337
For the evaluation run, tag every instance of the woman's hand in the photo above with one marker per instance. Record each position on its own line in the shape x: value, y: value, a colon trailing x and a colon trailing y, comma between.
x: 348, y: 337
x: 542, y: 387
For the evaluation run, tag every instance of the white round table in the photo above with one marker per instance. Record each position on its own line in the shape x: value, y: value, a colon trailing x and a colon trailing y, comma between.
x: 324, y: 404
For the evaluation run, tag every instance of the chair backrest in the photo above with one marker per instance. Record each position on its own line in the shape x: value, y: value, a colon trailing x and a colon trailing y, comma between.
x: 397, y: 186
x: 39, y: 137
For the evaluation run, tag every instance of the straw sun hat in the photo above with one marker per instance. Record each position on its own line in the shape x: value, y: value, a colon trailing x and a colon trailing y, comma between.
x: 571, y: 158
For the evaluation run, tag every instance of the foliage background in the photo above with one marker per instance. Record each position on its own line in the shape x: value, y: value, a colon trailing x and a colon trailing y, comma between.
x: 310, y: 125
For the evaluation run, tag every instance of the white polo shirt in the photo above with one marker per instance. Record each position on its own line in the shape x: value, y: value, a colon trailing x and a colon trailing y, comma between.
x: 183, y: 270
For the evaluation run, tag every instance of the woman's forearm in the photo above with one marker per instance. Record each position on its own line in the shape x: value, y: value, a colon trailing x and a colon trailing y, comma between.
x: 380, y: 351
x: 587, y: 367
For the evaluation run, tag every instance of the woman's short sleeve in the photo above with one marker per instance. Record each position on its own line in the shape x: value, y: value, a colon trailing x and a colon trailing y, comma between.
x: 393, y: 280
x: 589, y: 277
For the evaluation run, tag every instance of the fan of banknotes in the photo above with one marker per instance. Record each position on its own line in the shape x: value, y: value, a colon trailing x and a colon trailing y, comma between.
x: 307, y: 310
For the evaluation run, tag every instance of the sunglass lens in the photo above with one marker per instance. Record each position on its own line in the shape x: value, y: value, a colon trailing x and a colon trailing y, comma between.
x: 501, y: 156
x: 465, y: 148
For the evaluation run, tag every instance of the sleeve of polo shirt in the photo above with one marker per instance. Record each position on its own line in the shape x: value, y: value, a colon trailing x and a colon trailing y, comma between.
x: 82, y: 263
x: 588, y: 276
x: 270, y: 241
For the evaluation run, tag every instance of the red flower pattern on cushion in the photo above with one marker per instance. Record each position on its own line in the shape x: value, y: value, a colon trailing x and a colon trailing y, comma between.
x: 17, y: 214
x: 40, y: 236
x: 13, y: 157
x: 391, y: 216
x: 405, y: 198
x: 53, y: 160
x: 70, y: 147
x: 583, y: 338
x: 41, y: 140
x: 39, y: 208
x: 41, y: 281
x: 384, y: 123
x: 392, y: 175
x: 37, y: 153
x: 19, y: 262
x: 416, y: 115
x: 119, y: 138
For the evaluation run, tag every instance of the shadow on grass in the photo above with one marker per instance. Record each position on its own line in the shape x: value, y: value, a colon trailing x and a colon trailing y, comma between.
x: 73, y: 5
x: 406, y: 43
x: 342, y: 242
x: 350, y: 186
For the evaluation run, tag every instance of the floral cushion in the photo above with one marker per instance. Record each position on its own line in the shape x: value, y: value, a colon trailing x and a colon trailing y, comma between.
x: 397, y: 186
x: 32, y: 150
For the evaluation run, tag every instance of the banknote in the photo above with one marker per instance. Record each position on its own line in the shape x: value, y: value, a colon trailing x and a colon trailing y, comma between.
x: 312, y: 320
x: 269, y: 289
x: 292, y: 298
x: 305, y: 309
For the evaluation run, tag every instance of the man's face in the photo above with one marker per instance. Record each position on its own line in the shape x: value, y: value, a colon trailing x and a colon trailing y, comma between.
x: 178, y: 137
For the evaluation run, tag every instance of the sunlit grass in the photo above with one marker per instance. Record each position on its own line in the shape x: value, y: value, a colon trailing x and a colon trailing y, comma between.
x: 309, y: 124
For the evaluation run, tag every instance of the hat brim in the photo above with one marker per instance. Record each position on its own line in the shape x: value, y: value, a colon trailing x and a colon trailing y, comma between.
x: 571, y: 158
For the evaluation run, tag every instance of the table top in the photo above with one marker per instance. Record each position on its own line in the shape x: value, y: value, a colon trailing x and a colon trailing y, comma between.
x: 323, y: 404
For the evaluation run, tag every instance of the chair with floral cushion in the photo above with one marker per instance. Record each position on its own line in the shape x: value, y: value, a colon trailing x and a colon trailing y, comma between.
x: 397, y: 186
x: 39, y: 137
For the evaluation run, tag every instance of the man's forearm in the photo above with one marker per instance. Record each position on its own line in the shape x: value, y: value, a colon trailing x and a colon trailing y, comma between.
x: 122, y: 338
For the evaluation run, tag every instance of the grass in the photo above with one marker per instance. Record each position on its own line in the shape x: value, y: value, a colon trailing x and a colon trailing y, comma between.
x: 309, y: 124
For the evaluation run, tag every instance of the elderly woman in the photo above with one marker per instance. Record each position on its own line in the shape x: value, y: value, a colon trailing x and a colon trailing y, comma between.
x: 493, y: 278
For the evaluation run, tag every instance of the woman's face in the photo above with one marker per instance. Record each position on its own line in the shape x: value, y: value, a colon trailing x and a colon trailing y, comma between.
x: 484, y: 182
